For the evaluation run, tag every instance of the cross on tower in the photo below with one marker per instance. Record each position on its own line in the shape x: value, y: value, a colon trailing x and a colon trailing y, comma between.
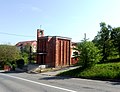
x: 40, y: 26
x: 85, y: 39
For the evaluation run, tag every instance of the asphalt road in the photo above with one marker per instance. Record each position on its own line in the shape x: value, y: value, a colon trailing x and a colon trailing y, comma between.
x: 23, y: 82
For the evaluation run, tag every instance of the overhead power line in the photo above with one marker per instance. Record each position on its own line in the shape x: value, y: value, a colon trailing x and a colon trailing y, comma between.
x: 15, y: 34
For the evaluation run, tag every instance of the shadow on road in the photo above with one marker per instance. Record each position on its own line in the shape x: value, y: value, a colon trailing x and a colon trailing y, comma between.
x: 112, y: 81
x: 54, y: 78
x: 115, y: 82
x: 12, y: 72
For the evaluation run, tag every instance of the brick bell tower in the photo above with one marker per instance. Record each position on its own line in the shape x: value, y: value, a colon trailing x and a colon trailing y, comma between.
x: 41, y: 47
x: 40, y: 33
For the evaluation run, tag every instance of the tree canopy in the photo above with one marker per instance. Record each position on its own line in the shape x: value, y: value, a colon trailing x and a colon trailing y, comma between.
x: 108, y: 41
x: 8, y: 54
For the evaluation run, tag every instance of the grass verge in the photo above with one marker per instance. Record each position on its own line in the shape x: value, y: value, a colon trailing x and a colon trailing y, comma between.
x: 99, y: 71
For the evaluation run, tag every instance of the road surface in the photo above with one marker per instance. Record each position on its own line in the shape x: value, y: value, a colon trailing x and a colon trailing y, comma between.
x: 23, y: 82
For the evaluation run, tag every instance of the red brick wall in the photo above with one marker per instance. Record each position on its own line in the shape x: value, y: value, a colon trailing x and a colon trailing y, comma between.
x: 57, y: 50
x: 62, y: 52
x: 50, y: 58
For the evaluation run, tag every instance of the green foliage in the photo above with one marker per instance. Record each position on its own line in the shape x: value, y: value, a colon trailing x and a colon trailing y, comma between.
x: 25, y: 52
x: 99, y: 71
x: 115, y: 37
x: 26, y: 49
x: 103, y: 42
x: 25, y: 57
x: 88, y: 54
x: 108, y: 42
x: 8, y: 54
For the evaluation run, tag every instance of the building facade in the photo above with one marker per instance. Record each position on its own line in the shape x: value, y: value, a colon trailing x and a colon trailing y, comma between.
x: 32, y: 43
x: 54, y: 51
x: 74, y: 60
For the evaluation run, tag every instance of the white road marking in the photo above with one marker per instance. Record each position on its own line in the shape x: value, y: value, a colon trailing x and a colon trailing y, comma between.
x: 39, y: 83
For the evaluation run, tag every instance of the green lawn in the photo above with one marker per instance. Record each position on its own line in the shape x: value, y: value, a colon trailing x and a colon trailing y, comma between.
x: 99, y: 71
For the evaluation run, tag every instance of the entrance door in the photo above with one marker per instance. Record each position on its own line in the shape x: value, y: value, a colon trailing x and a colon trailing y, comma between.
x: 43, y: 59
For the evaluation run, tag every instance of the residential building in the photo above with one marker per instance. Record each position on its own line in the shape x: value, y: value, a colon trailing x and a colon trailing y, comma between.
x: 33, y: 44
x: 74, y: 59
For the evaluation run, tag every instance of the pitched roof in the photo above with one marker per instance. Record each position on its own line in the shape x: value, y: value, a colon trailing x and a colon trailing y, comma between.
x: 23, y: 43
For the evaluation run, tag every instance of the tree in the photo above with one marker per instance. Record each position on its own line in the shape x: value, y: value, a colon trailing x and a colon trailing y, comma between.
x: 115, y: 37
x: 8, y: 54
x: 25, y: 52
x: 88, y: 54
x: 103, y: 41
x: 25, y: 49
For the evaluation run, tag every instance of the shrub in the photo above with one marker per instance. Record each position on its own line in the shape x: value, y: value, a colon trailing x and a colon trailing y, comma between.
x: 88, y: 54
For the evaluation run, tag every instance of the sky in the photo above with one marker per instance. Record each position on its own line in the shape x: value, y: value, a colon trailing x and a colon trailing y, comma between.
x: 20, y: 19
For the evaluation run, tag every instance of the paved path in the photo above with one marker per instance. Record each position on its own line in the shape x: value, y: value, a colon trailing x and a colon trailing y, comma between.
x: 53, y: 73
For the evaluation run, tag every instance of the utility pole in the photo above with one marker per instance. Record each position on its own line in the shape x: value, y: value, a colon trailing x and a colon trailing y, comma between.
x: 30, y: 57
